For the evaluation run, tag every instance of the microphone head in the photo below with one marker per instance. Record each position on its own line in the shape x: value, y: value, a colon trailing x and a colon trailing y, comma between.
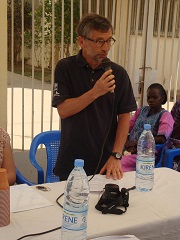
x: 106, y: 64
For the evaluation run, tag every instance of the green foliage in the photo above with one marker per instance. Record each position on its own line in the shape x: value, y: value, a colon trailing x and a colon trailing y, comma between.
x: 17, y: 26
x: 47, y: 20
x: 67, y: 20
x: 42, y: 32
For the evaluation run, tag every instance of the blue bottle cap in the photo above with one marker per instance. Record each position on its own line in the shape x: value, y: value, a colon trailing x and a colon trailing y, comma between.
x: 79, y: 163
x: 147, y: 126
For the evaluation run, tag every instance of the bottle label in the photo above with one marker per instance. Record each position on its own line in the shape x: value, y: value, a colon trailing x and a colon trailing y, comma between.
x: 74, y: 220
x: 145, y: 166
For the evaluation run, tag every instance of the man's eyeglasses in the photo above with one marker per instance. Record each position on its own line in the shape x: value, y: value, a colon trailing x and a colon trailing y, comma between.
x: 101, y: 42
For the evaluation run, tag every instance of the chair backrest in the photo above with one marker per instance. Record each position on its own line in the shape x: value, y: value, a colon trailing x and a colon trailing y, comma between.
x: 20, y: 179
x: 51, y: 140
x: 170, y: 154
x: 160, y: 150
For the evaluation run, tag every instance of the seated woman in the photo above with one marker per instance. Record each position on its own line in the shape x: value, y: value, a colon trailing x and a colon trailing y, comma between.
x: 6, y: 157
x: 161, y: 122
x: 175, y: 137
x: 174, y: 141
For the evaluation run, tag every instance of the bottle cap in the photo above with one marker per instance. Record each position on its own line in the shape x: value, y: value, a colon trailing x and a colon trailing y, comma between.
x: 79, y: 163
x: 147, y: 126
x: 3, y: 179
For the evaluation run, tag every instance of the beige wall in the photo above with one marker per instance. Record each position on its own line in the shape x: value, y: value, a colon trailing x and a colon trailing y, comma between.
x: 3, y: 64
x: 158, y: 76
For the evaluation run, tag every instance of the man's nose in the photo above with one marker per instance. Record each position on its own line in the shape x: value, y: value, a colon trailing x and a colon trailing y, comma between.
x: 105, y: 46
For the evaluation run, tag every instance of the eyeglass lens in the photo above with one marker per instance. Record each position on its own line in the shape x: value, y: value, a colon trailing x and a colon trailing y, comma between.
x: 109, y: 42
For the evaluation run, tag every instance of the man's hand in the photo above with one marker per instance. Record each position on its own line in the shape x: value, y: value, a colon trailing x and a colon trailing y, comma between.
x: 104, y: 84
x: 112, y: 166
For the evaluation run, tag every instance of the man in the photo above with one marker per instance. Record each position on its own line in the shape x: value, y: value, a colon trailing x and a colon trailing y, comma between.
x: 94, y: 104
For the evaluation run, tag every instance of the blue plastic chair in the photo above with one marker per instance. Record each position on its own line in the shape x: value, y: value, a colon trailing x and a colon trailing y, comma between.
x: 20, y: 179
x: 170, y: 154
x: 51, y: 140
x: 160, y: 148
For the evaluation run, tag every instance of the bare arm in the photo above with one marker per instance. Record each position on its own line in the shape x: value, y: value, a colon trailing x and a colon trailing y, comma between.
x: 8, y: 164
x: 72, y: 106
x: 113, y: 166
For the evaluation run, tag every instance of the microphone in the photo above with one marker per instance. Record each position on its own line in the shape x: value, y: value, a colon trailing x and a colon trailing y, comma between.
x: 106, y: 65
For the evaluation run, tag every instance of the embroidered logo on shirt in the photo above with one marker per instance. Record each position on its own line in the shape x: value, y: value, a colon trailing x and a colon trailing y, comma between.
x: 56, y: 93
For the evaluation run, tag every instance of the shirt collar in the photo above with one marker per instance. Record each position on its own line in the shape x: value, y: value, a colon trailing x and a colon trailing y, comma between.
x: 82, y: 62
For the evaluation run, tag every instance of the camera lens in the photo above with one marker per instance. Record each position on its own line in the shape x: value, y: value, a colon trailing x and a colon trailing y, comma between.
x: 111, y: 188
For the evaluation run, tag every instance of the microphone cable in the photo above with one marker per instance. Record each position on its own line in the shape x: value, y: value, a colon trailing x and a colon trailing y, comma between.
x: 102, y: 149
x: 95, y: 172
x: 37, y: 234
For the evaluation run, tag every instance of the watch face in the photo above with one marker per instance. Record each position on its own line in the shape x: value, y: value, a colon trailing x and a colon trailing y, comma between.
x: 118, y: 155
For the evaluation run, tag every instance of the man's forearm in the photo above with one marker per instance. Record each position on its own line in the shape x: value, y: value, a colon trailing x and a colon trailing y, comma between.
x: 122, y: 132
x: 72, y: 106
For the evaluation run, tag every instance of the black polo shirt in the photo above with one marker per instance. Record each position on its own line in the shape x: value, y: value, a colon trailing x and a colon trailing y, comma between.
x: 91, y: 132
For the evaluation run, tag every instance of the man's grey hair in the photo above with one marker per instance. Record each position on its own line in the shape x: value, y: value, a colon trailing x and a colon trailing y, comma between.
x: 93, y: 21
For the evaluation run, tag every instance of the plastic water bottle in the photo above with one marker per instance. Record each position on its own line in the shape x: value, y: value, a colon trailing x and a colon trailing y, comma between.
x: 145, y: 160
x: 75, y: 208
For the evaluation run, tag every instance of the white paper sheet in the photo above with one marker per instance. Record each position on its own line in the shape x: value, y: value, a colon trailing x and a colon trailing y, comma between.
x: 99, y: 181
x: 130, y: 237
x: 23, y: 198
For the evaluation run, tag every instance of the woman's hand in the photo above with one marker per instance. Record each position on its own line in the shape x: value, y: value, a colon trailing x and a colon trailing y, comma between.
x: 129, y: 144
x: 132, y: 150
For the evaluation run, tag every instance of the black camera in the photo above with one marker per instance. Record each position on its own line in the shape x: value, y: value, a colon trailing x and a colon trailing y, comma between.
x: 112, y: 200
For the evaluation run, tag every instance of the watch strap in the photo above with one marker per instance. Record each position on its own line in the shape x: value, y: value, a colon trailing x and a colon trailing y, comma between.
x: 116, y: 155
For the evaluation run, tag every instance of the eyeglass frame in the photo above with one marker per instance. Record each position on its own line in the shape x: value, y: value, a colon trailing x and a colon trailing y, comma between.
x: 96, y: 41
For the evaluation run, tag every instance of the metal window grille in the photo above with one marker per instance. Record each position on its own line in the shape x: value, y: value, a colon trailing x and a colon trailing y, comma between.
x: 163, y: 8
x: 33, y: 112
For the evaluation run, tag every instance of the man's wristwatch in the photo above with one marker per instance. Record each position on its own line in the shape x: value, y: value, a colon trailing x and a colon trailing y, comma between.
x: 117, y: 155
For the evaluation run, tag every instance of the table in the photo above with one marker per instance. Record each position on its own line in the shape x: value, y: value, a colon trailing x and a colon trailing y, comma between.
x: 152, y: 215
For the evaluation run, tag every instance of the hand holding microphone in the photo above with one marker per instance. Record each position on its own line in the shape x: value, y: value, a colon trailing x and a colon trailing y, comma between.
x: 106, y: 82
x: 106, y: 65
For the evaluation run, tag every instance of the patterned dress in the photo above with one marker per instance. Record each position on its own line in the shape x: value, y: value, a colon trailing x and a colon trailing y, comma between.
x: 4, y: 141
x: 175, y: 137
x: 176, y: 111
x: 161, y: 124
x: 174, y: 141
x: 140, y: 118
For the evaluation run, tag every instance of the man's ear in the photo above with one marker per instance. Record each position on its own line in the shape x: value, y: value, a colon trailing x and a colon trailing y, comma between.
x: 81, y: 41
